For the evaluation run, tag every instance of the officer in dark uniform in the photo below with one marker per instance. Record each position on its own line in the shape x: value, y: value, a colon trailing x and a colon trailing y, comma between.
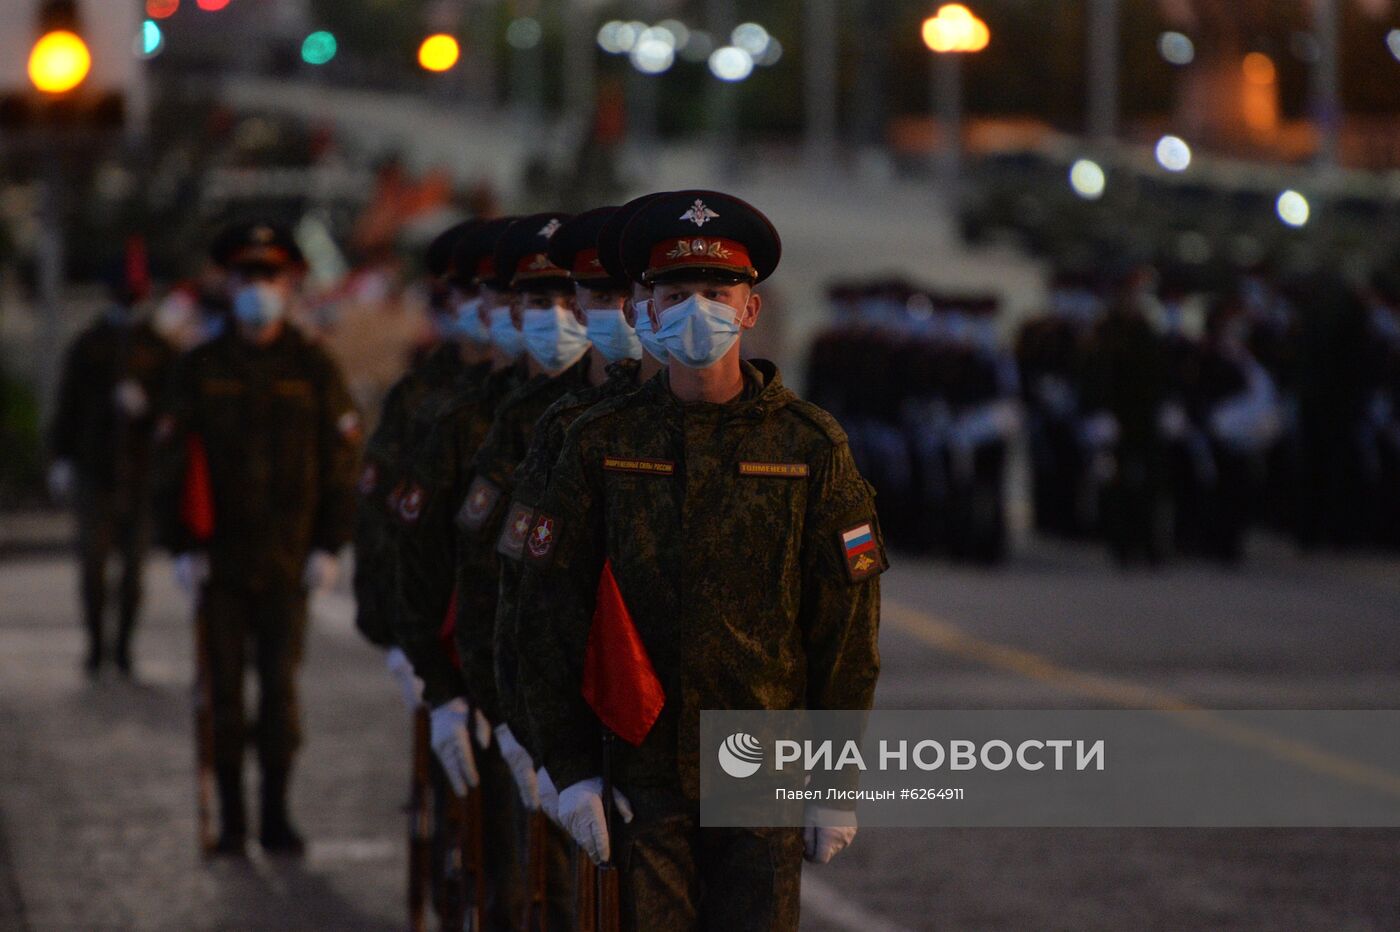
x: 269, y: 413
x: 100, y: 441
x: 712, y: 493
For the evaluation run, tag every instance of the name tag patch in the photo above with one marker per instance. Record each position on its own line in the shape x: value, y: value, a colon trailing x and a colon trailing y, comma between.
x: 777, y: 470
x: 862, y: 554
x: 519, y: 521
x: 482, y: 496
x: 646, y: 467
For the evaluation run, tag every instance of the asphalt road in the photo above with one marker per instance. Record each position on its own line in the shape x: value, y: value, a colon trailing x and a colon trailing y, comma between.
x: 96, y: 797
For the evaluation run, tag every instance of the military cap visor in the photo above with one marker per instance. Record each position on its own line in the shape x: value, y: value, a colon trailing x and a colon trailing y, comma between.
x: 259, y: 244
x: 474, y: 256
x: 575, y: 247
x: 610, y: 236
x: 705, y: 234
x: 440, y: 257
x: 522, y: 252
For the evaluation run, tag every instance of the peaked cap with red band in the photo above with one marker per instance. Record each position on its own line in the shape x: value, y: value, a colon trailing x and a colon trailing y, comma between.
x: 440, y: 259
x: 688, y: 233
x: 610, y: 236
x: 474, y: 256
x: 256, y: 242
x: 575, y: 247
x: 522, y: 252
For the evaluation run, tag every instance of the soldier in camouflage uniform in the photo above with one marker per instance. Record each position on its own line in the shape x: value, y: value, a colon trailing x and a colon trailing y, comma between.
x: 425, y: 571
x: 745, y: 545
x: 458, y: 362
x: 615, y: 365
x: 282, y: 437
x: 100, y: 440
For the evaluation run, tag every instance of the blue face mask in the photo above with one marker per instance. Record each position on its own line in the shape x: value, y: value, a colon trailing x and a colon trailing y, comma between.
x: 467, y: 322
x: 259, y: 305
x: 503, y: 333
x: 612, y: 336
x: 554, y: 338
x: 647, y: 336
x: 698, y: 331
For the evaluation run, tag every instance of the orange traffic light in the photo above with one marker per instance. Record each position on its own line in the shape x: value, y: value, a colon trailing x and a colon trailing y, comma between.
x: 59, y: 62
x: 439, y: 53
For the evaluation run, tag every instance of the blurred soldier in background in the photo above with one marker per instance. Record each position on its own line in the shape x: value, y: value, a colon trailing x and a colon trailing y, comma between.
x: 270, y: 415
x: 1125, y: 384
x: 100, y: 440
x: 458, y: 360
x: 430, y: 508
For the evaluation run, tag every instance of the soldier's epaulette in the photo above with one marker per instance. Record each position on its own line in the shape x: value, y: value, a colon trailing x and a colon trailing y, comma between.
x: 601, y: 411
x: 819, y: 418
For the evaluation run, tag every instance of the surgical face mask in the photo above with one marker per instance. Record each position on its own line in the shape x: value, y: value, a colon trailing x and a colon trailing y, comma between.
x: 648, y: 337
x: 612, y: 336
x: 503, y: 333
x: 554, y: 338
x: 698, y: 331
x: 467, y: 322
x: 259, y: 305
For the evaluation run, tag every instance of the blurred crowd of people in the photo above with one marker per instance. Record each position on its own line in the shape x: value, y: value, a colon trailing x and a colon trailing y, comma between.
x: 1166, y: 418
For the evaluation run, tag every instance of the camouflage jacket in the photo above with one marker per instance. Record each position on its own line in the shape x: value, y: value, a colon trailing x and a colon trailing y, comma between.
x: 409, y: 410
x: 425, y: 558
x: 479, y: 524
x: 729, y: 528
x: 282, y: 438
x: 531, y: 479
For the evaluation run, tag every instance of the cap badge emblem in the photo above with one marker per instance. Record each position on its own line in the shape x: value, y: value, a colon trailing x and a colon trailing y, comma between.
x: 699, y: 214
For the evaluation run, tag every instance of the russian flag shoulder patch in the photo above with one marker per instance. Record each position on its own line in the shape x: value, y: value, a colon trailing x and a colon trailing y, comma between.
x: 861, y: 552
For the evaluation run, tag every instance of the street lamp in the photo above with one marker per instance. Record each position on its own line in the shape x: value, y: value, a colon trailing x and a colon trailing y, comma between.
x: 954, y: 31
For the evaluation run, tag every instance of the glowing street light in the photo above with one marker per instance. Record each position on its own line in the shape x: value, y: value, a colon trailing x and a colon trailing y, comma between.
x: 318, y: 48
x: 952, y: 32
x: 1173, y: 154
x: 1087, y: 179
x: 731, y: 64
x: 59, y: 62
x: 439, y: 53
x: 1293, y: 208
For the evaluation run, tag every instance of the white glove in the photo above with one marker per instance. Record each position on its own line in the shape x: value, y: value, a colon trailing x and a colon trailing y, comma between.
x: 581, y: 815
x: 521, y: 767
x: 453, y: 745
x: 401, y: 670
x: 549, y: 796
x: 825, y: 832
x: 191, y: 571
x: 322, y: 570
x: 131, y: 399
x: 61, y: 480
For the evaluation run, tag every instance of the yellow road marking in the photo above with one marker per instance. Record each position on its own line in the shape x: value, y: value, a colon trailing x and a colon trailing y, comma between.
x: 951, y: 639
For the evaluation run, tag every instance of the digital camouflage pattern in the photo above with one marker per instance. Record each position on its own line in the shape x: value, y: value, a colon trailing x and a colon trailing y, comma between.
x: 428, y: 506
x: 410, y: 407
x: 282, y: 438
x: 531, y: 480
x: 493, y: 482
x: 741, y: 583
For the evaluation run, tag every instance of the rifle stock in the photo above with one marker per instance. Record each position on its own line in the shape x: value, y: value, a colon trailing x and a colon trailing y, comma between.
x: 585, y: 892
x: 537, y: 909
x: 203, y: 738
x: 420, y: 824
x: 608, y: 897
x: 473, y: 859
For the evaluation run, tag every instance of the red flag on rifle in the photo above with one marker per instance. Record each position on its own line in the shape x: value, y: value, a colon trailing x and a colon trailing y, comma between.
x: 197, y: 495
x: 619, y: 681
